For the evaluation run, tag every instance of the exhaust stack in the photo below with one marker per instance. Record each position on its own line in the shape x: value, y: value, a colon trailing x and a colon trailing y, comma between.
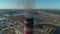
x: 28, y: 22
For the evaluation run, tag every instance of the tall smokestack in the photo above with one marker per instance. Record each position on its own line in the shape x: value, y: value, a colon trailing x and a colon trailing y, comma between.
x: 28, y: 23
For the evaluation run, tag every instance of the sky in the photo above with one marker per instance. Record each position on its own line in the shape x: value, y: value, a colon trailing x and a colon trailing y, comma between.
x: 39, y: 4
x: 9, y: 4
x: 48, y: 4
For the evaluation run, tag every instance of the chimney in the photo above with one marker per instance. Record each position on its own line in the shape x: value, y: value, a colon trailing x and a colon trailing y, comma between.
x: 28, y: 22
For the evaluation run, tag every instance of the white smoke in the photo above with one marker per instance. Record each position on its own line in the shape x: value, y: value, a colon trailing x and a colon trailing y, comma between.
x: 28, y: 5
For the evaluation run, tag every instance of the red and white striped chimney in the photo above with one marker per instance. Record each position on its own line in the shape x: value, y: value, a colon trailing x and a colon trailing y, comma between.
x: 28, y: 26
x: 28, y: 22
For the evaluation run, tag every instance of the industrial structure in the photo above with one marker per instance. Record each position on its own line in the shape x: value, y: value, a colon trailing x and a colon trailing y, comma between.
x: 28, y: 21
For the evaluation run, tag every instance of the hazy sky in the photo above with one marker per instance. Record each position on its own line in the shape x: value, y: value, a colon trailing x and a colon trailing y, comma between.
x: 8, y: 4
x: 48, y: 4
x: 41, y: 4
